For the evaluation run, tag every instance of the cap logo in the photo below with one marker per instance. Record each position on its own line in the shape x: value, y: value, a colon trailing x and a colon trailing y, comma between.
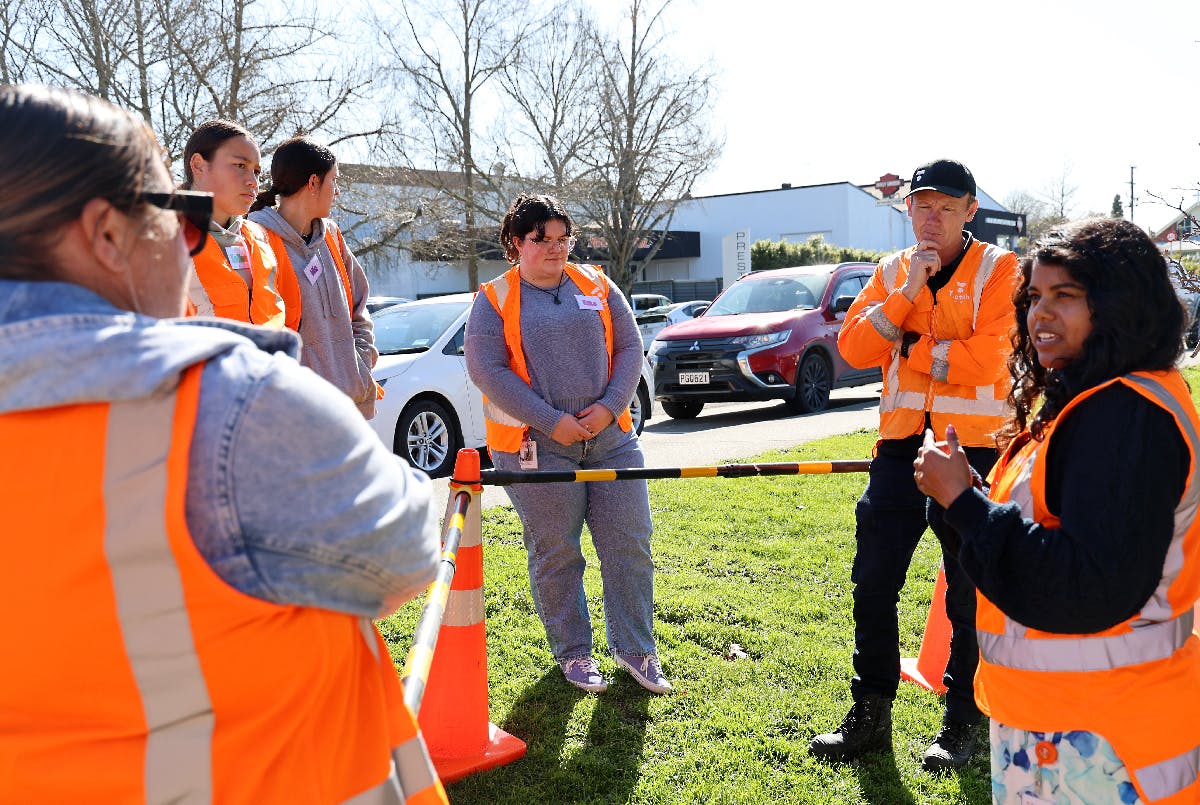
x: 920, y: 175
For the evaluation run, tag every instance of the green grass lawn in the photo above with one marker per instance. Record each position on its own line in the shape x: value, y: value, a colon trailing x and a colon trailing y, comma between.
x: 763, y: 563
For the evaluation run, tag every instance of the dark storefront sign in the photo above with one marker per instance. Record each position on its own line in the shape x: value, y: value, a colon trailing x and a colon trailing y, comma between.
x: 991, y: 225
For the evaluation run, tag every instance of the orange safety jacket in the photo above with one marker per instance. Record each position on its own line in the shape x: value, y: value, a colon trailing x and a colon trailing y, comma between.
x: 1136, y: 683
x: 289, y: 283
x: 227, y: 293
x: 958, y: 371
x: 136, y: 673
x: 505, y: 432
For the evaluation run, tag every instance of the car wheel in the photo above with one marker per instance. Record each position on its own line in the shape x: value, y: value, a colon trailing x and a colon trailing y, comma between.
x: 814, y: 380
x: 427, y: 438
x: 639, y: 406
x: 682, y: 410
x: 1192, y: 335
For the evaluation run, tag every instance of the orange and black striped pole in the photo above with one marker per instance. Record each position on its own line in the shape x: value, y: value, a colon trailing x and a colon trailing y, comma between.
x: 502, y: 478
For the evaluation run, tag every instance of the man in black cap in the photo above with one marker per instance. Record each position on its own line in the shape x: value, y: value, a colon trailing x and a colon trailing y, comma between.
x: 935, y: 317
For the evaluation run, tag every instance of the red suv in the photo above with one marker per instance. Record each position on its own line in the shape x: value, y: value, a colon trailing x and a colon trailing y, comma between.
x: 772, y: 335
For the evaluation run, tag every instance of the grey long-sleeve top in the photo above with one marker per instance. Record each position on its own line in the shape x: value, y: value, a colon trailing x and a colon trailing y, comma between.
x: 564, y: 351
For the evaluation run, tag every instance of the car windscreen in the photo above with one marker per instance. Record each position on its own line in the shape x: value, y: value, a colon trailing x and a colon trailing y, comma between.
x: 413, y: 328
x: 768, y: 294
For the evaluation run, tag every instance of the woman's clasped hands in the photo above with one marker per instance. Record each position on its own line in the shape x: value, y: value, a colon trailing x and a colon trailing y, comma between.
x: 585, y: 425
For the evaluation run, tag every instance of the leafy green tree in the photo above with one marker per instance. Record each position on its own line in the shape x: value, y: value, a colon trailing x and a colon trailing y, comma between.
x: 1118, y: 211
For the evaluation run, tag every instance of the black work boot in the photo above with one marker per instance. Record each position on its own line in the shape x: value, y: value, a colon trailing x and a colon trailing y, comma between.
x: 866, y: 728
x: 952, y: 747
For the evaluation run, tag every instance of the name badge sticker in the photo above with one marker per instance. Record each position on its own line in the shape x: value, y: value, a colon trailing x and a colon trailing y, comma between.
x: 589, y: 302
x: 313, y: 270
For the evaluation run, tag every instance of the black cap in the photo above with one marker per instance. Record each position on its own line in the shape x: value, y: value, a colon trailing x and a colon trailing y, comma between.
x: 944, y: 176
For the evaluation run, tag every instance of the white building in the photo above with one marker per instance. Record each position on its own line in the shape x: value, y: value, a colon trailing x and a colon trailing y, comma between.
x: 842, y: 213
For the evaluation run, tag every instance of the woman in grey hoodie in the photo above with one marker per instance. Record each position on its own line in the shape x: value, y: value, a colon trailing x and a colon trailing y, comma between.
x: 322, y: 284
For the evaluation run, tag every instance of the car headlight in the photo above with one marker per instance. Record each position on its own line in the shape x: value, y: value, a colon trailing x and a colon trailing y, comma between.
x: 655, y: 347
x: 762, y: 339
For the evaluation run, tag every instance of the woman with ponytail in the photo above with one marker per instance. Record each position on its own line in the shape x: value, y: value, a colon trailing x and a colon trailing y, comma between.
x: 323, y: 286
x: 235, y: 273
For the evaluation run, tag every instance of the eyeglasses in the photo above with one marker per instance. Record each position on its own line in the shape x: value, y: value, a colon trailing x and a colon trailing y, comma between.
x: 567, y: 243
x: 194, y: 210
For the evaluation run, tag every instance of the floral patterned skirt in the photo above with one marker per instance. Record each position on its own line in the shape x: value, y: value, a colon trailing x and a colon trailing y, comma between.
x: 1063, y: 768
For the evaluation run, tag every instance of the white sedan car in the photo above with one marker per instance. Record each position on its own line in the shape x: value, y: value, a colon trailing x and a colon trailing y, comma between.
x: 430, y: 407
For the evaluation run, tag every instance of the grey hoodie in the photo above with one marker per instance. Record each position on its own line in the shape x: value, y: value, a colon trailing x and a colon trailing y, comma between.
x: 290, y: 497
x: 339, y: 348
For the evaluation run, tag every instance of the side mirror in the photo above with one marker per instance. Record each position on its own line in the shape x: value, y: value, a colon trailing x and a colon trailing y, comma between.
x: 699, y: 311
x: 841, y: 304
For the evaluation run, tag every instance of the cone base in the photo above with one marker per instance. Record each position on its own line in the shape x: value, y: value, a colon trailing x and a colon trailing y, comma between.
x: 910, y: 672
x: 501, y: 748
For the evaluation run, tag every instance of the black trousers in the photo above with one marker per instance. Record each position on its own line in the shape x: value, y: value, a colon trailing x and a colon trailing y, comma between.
x: 891, y: 517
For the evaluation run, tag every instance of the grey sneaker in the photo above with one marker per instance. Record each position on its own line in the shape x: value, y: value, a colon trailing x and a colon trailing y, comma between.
x: 646, y: 670
x: 583, y: 674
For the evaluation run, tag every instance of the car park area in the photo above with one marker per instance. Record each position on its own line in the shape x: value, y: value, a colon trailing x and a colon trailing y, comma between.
x: 770, y: 335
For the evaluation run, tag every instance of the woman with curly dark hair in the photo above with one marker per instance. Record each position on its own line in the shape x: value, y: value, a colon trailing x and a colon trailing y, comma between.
x: 1087, y: 554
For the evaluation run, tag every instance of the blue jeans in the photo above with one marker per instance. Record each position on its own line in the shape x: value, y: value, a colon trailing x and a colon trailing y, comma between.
x: 891, y: 517
x: 618, y: 515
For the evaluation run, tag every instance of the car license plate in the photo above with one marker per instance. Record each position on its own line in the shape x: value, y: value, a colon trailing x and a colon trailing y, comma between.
x: 693, y: 378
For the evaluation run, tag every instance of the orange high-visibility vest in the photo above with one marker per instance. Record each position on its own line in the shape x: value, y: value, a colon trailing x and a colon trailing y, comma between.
x: 289, y: 283
x: 135, y: 673
x: 505, y: 432
x: 227, y: 293
x: 1136, y: 684
x: 959, y: 373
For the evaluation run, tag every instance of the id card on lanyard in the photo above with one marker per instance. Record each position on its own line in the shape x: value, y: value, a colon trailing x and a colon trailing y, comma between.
x: 527, y: 457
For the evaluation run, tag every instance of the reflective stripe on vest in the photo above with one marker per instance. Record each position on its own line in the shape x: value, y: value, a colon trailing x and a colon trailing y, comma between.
x: 504, y: 431
x: 218, y: 290
x: 1167, y: 777
x: 1102, y: 653
x: 150, y: 601
x: 1158, y: 607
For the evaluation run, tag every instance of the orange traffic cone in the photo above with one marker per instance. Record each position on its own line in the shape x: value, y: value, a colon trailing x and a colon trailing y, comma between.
x: 927, y: 669
x: 454, y: 708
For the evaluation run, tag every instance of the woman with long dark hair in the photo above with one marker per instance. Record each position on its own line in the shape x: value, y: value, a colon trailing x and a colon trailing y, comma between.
x: 1087, y: 554
x: 324, y: 288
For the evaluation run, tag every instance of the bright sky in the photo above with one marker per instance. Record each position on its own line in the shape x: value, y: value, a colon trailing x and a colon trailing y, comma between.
x: 1019, y: 90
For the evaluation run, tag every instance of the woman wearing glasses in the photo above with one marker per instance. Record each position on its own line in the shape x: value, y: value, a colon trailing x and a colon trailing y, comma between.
x: 235, y: 272
x: 216, y: 581
x: 323, y: 287
x: 555, y: 349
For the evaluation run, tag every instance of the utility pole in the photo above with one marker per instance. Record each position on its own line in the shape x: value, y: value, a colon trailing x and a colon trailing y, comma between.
x: 1131, y: 167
